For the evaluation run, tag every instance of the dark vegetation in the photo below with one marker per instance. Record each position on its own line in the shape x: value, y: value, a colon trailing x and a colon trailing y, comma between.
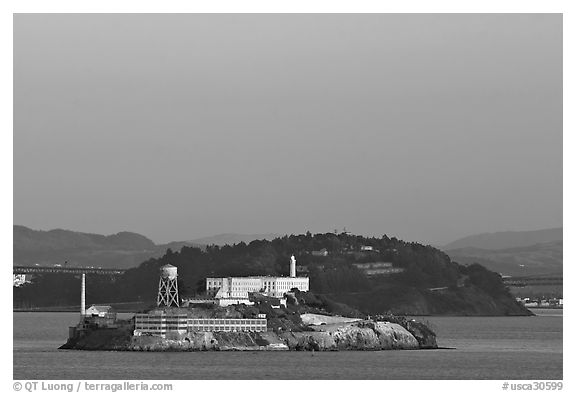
x: 334, y: 279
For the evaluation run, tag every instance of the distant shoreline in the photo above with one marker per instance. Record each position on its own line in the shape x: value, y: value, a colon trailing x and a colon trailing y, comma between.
x: 67, y: 310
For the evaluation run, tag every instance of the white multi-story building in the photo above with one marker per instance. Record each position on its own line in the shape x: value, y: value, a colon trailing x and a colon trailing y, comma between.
x: 239, y: 287
x: 19, y: 279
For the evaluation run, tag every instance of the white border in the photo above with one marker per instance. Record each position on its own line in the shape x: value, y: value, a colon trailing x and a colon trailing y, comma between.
x: 336, y: 6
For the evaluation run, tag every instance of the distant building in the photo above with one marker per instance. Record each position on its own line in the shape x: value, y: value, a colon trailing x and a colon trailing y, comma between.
x: 239, y: 287
x: 102, y: 311
x: 378, y: 268
x: 228, y: 325
x: 366, y: 248
x: 167, y: 324
x: 100, y: 315
x: 19, y: 279
x: 373, y: 265
x: 160, y: 323
x: 321, y: 253
x: 227, y: 301
x: 261, y: 298
x: 186, y: 302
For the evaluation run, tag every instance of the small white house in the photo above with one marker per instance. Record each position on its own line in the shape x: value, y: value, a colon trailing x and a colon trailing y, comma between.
x: 100, y: 315
x: 100, y: 311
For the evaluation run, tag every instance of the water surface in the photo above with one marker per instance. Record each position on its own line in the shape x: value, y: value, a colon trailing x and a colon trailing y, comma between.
x: 485, y: 348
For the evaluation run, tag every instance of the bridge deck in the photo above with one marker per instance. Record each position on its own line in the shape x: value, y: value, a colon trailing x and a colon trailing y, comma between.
x: 63, y: 269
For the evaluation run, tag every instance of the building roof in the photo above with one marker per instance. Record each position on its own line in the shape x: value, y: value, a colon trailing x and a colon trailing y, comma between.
x: 253, y: 277
x: 100, y: 308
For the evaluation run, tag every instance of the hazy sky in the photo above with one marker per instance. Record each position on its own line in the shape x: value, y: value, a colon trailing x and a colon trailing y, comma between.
x: 425, y: 127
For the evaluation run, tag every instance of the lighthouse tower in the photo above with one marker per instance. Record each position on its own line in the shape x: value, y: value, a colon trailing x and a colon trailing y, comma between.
x: 168, y: 287
x: 292, y: 266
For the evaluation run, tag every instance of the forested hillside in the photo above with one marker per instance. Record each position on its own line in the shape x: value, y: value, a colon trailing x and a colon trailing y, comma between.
x: 430, y: 282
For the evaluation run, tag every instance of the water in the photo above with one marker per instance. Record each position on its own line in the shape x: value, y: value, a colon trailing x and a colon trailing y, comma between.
x: 485, y: 348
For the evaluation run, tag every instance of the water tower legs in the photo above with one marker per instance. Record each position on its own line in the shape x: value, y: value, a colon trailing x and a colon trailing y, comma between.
x: 167, y: 293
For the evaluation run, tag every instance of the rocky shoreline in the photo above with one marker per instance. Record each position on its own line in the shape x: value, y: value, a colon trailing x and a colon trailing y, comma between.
x: 360, y: 335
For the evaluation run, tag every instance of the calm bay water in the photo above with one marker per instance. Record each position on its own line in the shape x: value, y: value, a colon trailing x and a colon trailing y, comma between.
x: 484, y: 348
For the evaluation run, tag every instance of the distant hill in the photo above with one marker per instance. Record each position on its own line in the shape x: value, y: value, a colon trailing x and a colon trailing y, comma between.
x: 536, y: 259
x: 233, y: 238
x: 504, y: 240
x: 121, y: 250
x: 60, y: 239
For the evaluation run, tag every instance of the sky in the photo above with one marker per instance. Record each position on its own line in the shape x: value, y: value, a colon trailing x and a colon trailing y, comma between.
x: 428, y: 127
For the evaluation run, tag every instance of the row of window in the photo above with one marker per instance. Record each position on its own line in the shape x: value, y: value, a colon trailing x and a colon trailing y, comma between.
x: 203, y: 328
x: 181, y: 322
x: 228, y: 328
x: 227, y: 322
x: 155, y: 328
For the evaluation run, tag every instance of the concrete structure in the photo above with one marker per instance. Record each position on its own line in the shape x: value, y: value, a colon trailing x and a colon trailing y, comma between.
x: 168, y: 287
x: 83, y: 296
x: 224, y: 302
x: 163, y: 324
x: 160, y: 323
x: 100, y: 315
x: 261, y: 298
x: 97, y: 310
x: 19, y: 279
x: 227, y: 325
x: 321, y: 253
x: 186, y: 302
x: 378, y: 268
x: 239, y: 287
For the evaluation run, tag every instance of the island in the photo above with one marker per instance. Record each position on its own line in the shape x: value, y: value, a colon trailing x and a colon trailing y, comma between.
x: 244, y: 313
x: 284, y: 328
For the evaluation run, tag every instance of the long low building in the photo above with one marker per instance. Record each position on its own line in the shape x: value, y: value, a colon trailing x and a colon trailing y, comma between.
x: 161, y: 323
x: 378, y: 268
x: 240, y: 287
x: 227, y: 325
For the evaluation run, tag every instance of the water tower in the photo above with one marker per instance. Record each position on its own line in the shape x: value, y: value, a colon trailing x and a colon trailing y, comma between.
x: 168, y: 287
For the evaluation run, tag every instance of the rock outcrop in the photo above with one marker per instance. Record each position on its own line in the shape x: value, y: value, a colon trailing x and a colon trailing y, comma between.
x: 361, y: 335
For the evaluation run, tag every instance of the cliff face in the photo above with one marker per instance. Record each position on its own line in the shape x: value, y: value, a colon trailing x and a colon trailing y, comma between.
x: 363, y: 335
x: 354, y: 336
